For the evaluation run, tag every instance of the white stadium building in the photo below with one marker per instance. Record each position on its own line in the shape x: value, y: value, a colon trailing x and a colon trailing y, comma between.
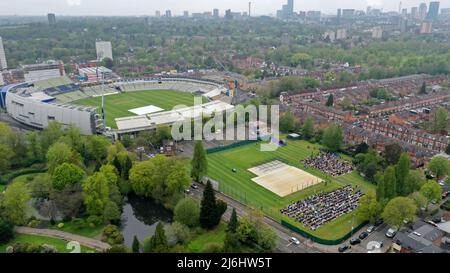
x: 35, y: 104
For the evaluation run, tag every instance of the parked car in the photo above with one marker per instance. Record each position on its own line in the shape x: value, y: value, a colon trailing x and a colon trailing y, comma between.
x: 343, y: 248
x: 363, y: 235
x: 391, y: 232
x: 445, y: 194
x: 355, y: 241
x: 370, y: 229
x: 188, y: 191
x: 294, y: 240
x: 194, y: 186
x: 379, y: 222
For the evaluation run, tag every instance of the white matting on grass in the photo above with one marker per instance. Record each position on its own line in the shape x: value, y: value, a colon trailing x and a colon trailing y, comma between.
x: 145, y: 110
x: 283, y: 179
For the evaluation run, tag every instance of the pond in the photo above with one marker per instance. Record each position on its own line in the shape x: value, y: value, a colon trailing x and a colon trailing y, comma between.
x: 140, y: 217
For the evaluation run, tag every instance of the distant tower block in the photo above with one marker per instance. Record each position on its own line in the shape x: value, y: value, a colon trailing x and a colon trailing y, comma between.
x: 249, y: 9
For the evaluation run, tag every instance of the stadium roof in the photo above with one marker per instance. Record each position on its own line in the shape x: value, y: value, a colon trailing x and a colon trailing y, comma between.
x: 151, y: 121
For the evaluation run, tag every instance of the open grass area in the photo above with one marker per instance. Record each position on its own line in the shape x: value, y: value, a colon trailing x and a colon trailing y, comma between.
x: 216, y: 235
x: 58, y: 243
x: 85, y: 230
x: 117, y: 106
x: 240, y: 186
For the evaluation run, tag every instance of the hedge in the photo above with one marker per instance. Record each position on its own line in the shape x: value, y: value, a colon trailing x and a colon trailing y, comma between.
x: 320, y: 240
x: 7, y: 178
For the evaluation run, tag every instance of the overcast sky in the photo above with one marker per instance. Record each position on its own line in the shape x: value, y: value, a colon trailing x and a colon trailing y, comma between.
x: 148, y: 7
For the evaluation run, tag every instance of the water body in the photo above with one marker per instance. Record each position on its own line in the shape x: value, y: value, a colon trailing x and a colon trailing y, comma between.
x: 140, y: 217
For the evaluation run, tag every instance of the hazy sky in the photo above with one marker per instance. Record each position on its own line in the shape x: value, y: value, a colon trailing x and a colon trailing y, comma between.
x: 148, y: 7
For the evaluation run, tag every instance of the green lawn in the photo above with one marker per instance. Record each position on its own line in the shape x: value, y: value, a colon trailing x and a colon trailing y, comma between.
x: 84, y: 231
x: 240, y: 186
x: 213, y: 236
x: 58, y: 243
x: 117, y: 105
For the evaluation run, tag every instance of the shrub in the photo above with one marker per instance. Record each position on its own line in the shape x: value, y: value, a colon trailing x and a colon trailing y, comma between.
x: 95, y: 220
x: 6, y: 230
x: 112, y: 235
x: 212, y: 248
x: 34, y: 223
x: 60, y: 225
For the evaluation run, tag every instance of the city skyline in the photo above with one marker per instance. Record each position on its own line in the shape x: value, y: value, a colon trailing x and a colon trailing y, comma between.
x: 137, y: 7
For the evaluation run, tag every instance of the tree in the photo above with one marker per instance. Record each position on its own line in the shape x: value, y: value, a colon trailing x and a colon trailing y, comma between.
x: 447, y: 150
x: 308, y: 128
x: 398, y: 210
x: 35, y: 153
x: 439, y: 166
x: 96, y: 194
x: 158, y: 242
x: 136, y: 246
x: 233, y: 223
x: 330, y: 101
x: 390, y: 181
x: 414, y: 181
x: 362, y: 148
x: 420, y: 200
x: 161, y: 178
x: 111, y: 212
x: 440, y: 120
x: 6, y: 155
x: 392, y: 153
x: 110, y: 172
x: 66, y: 174
x: 211, y: 211
x: 117, y: 165
x: 41, y: 186
x: 401, y: 173
x: 287, y: 122
x: 368, y: 209
x: 177, y: 233
x: 6, y: 230
x: 431, y: 190
x: 199, y: 162
x: 333, y: 138
x: 187, y: 212
x: 51, y: 134
x: 15, y: 202
x: 126, y: 168
x: 267, y: 239
x: 60, y: 153
x: 98, y: 148
x: 423, y: 89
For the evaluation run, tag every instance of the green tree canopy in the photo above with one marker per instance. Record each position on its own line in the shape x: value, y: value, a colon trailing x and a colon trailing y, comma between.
x: 333, y: 138
x: 398, y: 210
x: 66, y: 174
x: 439, y: 167
x: 15, y: 202
x: 368, y: 209
x: 187, y: 212
x: 199, y: 162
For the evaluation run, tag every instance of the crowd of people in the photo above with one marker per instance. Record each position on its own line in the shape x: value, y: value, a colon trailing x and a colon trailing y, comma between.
x: 329, y: 163
x: 320, y: 209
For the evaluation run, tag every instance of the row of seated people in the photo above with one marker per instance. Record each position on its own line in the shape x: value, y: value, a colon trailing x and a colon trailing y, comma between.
x: 329, y: 163
x: 320, y: 209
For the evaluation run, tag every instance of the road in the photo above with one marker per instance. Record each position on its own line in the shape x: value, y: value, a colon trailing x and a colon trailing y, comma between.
x: 283, y: 244
x: 85, y: 241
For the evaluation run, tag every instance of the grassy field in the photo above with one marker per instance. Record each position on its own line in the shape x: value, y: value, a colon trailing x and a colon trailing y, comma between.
x: 86, y: 230
x: 117, y: 106
x: 58, y: 243
x: 213, y: 236
x: 240, y: 186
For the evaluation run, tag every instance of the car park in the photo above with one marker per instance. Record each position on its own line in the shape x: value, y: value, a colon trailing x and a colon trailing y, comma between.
x: 391, y: 232
x: 194, y: 186
x: 363, y: 235
x: 379, y: 222
x: 343, y: 248
x: 294, y: 240
x: 370, y: 229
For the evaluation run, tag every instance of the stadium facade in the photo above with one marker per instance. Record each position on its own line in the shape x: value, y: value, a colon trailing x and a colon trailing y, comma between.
x: 39, y: 103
